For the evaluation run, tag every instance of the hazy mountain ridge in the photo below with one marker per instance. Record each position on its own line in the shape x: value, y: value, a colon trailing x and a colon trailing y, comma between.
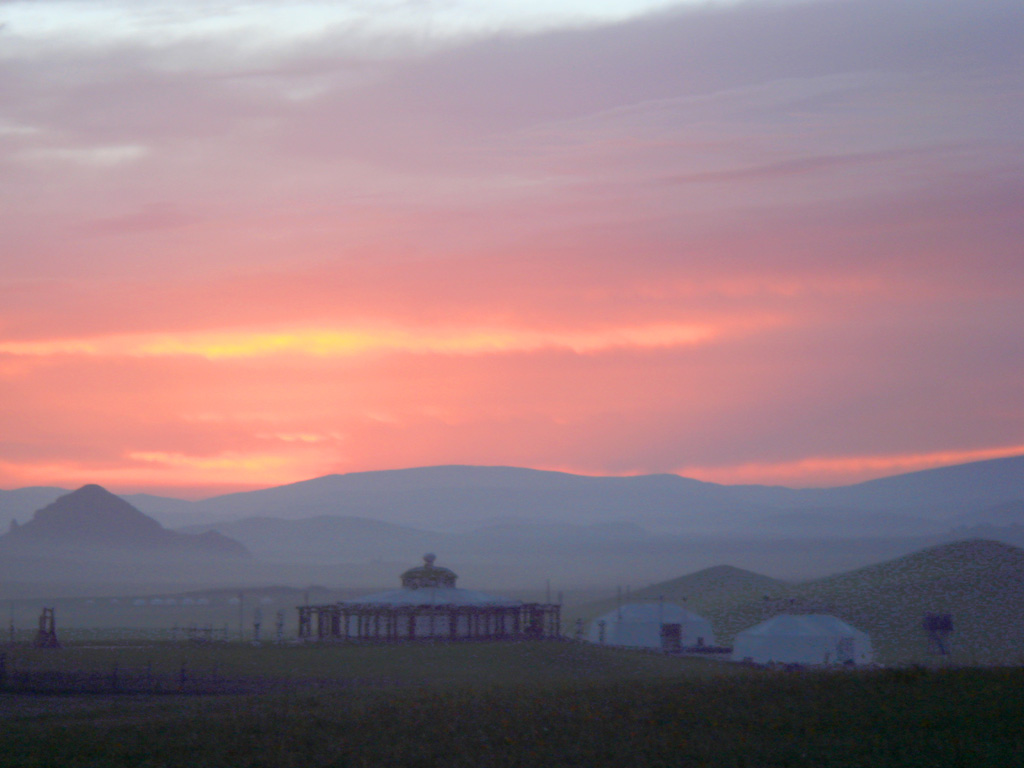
x: 92, y: 520
x: 505, y: 511
x: 1008, y: 513
x: 326, y: 538
x: 942, y: 491
x: 332, y: 538
x: 501, y: 526
x: 462, y: 498
x: 21, y: 503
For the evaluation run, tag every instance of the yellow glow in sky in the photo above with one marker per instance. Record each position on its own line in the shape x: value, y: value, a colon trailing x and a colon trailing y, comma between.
x: 338, y: 343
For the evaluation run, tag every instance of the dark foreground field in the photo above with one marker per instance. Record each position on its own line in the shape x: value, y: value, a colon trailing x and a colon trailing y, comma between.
x: 550, y: 704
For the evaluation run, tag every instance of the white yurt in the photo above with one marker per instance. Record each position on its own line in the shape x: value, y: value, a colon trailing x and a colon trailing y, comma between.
x: 655, y: 624
x: 812, y: 639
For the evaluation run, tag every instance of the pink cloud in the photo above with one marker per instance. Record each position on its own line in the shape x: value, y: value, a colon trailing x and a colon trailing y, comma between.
x: 836, y: 199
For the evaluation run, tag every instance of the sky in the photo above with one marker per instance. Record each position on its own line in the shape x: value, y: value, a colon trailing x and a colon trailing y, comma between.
x: 250, y: 243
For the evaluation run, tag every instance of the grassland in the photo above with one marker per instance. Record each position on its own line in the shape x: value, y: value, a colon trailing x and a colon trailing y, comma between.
x: 396, y: 665
x: 506, y: 704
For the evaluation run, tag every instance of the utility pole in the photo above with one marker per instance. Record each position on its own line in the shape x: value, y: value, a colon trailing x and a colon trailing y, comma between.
x: 257, y: 619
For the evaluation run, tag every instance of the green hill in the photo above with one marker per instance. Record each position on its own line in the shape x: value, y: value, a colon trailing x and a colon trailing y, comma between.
x: 710, y: 592
x: 979, y: 583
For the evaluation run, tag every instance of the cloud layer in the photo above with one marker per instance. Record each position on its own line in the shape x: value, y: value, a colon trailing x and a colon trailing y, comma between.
x: 768, y: 241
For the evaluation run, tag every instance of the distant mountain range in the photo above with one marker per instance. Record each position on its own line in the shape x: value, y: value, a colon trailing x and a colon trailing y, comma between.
x: 464, y: 497
x: 93, y: 521
x: 503, y: 526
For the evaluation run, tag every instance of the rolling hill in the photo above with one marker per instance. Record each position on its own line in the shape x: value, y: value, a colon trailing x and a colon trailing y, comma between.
x: 709, y: 591
x: 980, y: 583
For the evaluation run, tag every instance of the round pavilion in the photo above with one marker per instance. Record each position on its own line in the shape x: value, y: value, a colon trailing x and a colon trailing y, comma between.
x: 428, y: 606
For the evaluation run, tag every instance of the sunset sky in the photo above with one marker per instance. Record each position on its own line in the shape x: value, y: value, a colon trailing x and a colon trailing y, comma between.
x: 250, y: 243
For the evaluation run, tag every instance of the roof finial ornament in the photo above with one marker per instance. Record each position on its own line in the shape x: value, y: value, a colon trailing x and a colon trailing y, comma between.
x: 428, y: 575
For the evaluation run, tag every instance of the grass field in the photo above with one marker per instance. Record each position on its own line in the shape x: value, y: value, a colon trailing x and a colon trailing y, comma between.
x: 396, y: 665
x: 527, y: 704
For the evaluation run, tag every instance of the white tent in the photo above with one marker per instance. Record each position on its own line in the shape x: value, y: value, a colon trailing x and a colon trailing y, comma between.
x: 655, y: 624
x: 813, y: 639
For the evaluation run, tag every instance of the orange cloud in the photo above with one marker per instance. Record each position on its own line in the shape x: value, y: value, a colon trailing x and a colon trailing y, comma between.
x: 224, y: 463
x: 840, y: 470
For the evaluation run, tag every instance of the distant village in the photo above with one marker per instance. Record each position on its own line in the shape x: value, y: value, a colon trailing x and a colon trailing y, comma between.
x: 961, y: 601
x: 429, y: 607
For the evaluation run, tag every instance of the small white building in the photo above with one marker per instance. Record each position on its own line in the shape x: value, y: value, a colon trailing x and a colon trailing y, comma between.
x: 654, y: 624
x: 813, y: 639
